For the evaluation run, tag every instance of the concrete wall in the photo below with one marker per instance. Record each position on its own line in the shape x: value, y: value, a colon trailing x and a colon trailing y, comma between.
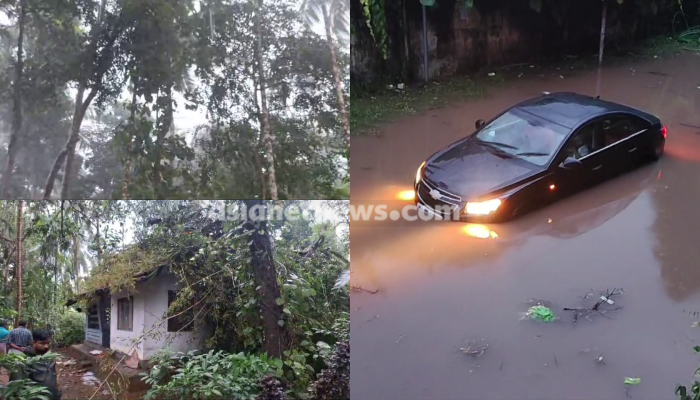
x: 497, y: 32
x: 156, y: 308
x: 150, y: 307
x: 125, y: 340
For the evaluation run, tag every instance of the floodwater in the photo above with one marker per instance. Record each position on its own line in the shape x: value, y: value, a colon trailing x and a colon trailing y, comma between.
x: 441, y: 284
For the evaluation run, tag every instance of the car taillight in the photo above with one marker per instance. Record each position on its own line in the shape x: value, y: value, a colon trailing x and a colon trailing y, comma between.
x: 664, y: 131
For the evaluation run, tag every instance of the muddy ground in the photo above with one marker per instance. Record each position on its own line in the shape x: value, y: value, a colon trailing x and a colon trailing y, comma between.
x: 441, y: 285
x: 77, y: 381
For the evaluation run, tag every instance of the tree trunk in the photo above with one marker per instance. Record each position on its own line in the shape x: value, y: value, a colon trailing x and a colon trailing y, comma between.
x: 601, y: 45
x: 163, y: 127
x: 18, y: 267
x: 99, y: 248
x: 265, y: 114
x: 68, y: 153
x: 129, y: 147
x: 258, y: 167
x: 344, y: 119
x: 265, y: 276
x: 17, y: 110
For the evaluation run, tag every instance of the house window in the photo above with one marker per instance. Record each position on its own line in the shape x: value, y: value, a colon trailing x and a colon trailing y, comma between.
x: 93, y: 317
x: 183, y: 321
x: 125, y: 314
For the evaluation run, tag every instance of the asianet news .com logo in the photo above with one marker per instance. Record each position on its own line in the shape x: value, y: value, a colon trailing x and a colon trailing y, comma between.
x: 368, y: 211
x: 403, y: 212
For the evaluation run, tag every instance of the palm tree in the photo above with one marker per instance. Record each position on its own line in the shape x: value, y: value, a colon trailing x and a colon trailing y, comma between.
x: 334, y: 15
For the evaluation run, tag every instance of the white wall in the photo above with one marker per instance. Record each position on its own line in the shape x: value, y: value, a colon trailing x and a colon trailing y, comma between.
x: 125, y: 340
x: 150, y: 307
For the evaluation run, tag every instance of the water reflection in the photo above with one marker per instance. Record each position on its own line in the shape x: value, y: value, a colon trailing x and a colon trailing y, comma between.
x: 677, y: 228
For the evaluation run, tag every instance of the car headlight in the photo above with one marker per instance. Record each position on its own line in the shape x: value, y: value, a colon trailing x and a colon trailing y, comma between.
x: 482, y: 207
x: 419, y: 173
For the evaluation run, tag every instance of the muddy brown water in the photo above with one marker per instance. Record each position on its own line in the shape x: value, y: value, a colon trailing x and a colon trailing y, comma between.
x: 440, y: 286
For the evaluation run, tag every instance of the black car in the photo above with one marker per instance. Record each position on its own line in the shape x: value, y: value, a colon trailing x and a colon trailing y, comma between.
x: 534, y: 153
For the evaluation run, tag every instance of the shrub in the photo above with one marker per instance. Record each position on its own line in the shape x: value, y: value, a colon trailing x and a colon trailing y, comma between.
x: 213, y: 375
x: 70, y: 329
x: 334, y: 382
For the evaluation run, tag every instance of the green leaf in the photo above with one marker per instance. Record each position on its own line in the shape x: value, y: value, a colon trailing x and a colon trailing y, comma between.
x: 695, y: 324
x: 697, y: 349
x: 278, y: 363
x: 286, y: 311
x: 279, y: 301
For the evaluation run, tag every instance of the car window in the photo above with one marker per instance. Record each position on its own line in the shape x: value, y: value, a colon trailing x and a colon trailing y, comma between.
x: 637, y: 124
x: 524, y: 135
x: 616, y: 128
x: 584, y: 142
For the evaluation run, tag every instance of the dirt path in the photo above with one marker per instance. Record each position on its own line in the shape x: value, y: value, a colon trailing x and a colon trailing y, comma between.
x: 76, y: 380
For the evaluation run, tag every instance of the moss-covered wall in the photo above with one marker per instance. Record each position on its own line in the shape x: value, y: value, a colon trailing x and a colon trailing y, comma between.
x: 499, y: 32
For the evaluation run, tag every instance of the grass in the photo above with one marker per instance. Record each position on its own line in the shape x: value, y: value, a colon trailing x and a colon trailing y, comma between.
x: 369, y: 109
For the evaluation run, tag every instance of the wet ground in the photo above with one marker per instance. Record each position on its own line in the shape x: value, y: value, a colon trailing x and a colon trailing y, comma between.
x: 441, y: 285
x: 77, y: 380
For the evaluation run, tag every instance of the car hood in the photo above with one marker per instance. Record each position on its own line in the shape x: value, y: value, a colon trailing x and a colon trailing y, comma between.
x: 471, y: 170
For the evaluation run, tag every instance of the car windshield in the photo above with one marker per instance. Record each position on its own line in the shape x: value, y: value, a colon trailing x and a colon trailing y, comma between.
x: 523, y: 135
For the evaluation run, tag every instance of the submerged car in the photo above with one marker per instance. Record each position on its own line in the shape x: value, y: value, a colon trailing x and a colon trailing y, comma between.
x: 535, y: 153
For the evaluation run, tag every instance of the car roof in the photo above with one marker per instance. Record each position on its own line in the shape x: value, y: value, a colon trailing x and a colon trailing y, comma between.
x: 571, y: 109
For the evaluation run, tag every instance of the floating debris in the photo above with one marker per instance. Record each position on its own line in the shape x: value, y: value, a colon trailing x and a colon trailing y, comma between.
x: 475, y: 348
x: 538, y: 302
x: 633, y: 381
x: 604, y: 298
x: 540, y: 313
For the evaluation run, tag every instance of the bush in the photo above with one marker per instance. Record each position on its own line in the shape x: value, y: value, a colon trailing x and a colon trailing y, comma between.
x: 334, y: 382
x: 209, y: 376
x: 70, y: 329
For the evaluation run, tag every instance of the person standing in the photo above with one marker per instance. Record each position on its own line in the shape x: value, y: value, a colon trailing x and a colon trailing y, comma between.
x: 41, y: 372
x: 3, y: 338
x: 19, y: 338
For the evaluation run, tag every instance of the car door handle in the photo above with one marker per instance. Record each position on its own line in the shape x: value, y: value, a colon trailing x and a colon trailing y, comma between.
x: 597, y: 168
x: 632, y: 149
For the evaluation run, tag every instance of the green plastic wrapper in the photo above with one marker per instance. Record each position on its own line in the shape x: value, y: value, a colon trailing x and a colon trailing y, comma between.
x: 541, y: 313
x: 633, y: 381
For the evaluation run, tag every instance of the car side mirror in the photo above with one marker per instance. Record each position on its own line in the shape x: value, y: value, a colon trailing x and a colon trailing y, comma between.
x: 571, y: 163
x: 479, y: 123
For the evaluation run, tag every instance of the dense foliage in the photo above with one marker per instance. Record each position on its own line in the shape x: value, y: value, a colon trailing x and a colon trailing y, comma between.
x: 23, y: 389
x: 162, y: 99
x: 72, y: 247
x: 70, y: 329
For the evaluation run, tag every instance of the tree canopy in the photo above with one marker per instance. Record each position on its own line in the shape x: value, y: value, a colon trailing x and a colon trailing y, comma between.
x: 163, y: 99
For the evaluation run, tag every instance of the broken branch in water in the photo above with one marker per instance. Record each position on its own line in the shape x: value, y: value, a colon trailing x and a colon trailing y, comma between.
x: 586, y: 312
x: 361, y: 289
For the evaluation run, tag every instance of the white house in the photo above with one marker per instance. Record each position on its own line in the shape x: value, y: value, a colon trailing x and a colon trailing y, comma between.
x: 135, y: 321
